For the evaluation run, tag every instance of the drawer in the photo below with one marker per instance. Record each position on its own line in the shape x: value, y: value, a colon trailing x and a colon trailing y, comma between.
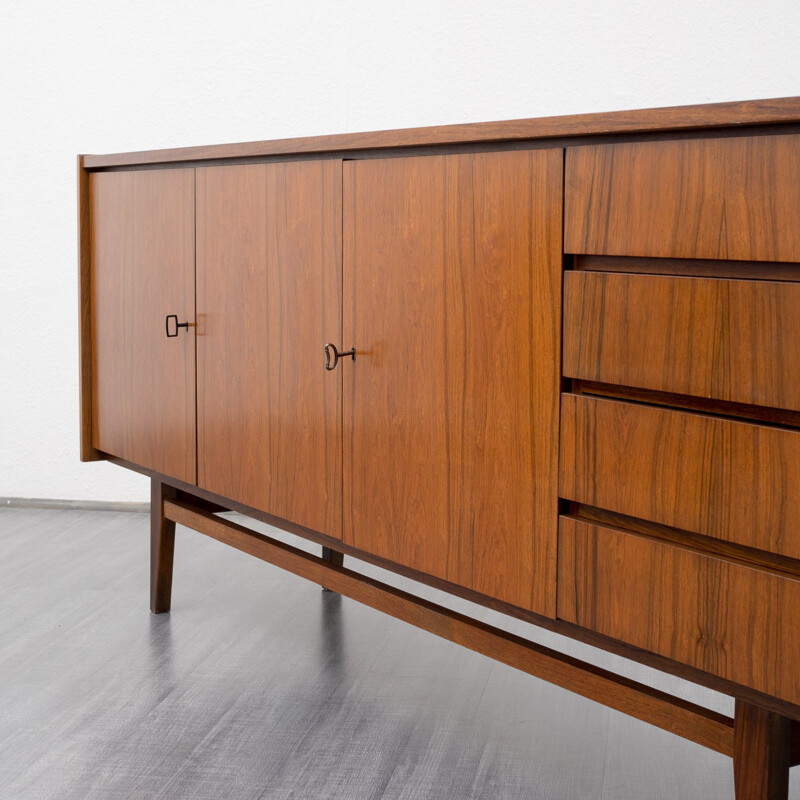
x: 725, y: 198
x: 732, y: 340
x: 733, y: 621
x: 730, y: 480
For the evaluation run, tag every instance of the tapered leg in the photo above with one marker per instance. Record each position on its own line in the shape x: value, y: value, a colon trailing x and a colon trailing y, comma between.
x: 761, y: 747
x: 162, y: 548
x: 335, y: 557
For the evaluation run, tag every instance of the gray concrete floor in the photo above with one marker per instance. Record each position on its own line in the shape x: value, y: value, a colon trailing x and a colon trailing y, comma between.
x: 260, y: 685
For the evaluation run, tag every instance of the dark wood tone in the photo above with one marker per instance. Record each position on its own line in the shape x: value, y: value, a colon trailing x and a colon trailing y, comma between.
x: 731, y: 340
x: 773, y: 416
x: 678, y: 716
x: 452, y: 299
x: 761, y: 749
x: 143, y: 269
x: 207, y: 505
x: 332, y: 557
x: 734, y: 198
x: 690, y: 267
x: 794, y: 752
x: 716, y: 547
x: 734, y: 621
x: 677, y: 118
x: 87, y: 449
x: 708, y: 475
x: 189, y: 495
x: 269, y: 246
x: 162, y: 548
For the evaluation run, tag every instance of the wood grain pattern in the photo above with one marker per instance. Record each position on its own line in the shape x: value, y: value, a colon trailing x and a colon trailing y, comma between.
x: 691, y: 267
x: 269, y: 272
x: 734, y: 621
x: 232, y: 348
x: 762, y: 744
x: 162, y: 548
x: 695, y: 541
x: 143, y: 269
x: 717, y: 477
x: 452, y: 299
x: 734, y: 198
x: 85, y: 380
x: 395, y: 430
x: 705, y: 405
x: 686, y: 719
x: 731, y: 340
x: 676, y: 118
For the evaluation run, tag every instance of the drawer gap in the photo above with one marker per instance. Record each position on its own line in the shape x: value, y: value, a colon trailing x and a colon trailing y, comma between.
x: 689, y: 267
x: 781, y: 566
x: 773, y: 417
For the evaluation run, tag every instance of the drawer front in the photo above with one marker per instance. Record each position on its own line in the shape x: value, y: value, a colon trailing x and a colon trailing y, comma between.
x: 733, y: 621
x: 724, y: 339
x: 735, y: 198
x: 730, y: 480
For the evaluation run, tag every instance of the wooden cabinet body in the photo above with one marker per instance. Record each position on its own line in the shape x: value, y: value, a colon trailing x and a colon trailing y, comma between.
x: 372, y: 360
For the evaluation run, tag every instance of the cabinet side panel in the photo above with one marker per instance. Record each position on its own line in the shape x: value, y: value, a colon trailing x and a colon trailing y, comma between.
x: 85, y: 351
x: 232, y: 386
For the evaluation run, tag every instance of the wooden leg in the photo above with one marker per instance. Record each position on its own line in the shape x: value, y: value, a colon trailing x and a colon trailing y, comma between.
x: 761, y: 748
x: 162, y: 548
x: 794, y: 756
x: 335, y: 557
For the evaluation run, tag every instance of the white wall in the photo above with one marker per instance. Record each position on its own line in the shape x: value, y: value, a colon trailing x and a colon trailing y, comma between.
x: 103, y: 76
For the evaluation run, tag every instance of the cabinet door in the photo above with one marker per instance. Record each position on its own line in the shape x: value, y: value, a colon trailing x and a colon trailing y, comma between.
x: 268, y: 298
x: 142, y: 270
x: 452, y: 296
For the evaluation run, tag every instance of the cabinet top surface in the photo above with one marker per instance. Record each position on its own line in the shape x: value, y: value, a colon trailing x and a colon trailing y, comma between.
x: 676, y: 118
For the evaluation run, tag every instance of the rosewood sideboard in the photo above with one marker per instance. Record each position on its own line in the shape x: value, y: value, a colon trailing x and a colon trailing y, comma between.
x: 548, y: 365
